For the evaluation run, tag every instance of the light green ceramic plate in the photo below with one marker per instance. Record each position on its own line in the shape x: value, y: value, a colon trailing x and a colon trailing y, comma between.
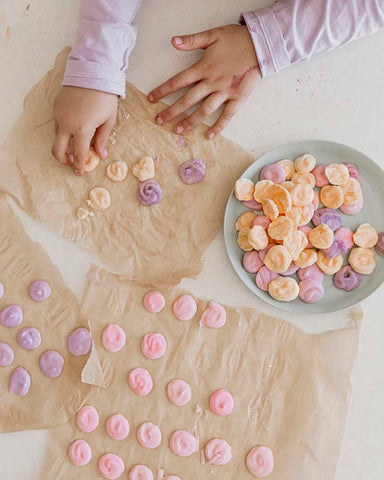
x: 372, y: 182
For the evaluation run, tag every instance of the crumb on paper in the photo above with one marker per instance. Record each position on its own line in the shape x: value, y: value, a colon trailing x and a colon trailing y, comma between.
x: 8, y: 33
x: 181, y: 141
x: 83, y: 213
x: 198, y: 409
x: 27, y: 8
x: 157, y: 159
x: 202, y: 457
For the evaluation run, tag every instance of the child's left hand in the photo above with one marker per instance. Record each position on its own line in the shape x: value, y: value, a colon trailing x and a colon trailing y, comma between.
x: 227, y: 73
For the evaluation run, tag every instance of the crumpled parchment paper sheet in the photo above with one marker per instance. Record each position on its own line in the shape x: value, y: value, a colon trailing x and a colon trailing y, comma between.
x: 50, y: 402
x: 161, y: 243
x: 290, y: 388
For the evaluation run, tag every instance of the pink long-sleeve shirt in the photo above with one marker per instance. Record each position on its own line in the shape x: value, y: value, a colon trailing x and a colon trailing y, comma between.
x: 288, y: 32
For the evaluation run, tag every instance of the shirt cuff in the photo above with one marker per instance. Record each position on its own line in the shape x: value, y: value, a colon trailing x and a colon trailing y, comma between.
x: 86, y: 74
x: 268, y: 41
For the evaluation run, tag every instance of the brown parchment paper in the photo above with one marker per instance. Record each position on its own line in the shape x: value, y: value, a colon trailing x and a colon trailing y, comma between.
x: 290, y: 388
x: 164, y: 242
x: 50, y: 402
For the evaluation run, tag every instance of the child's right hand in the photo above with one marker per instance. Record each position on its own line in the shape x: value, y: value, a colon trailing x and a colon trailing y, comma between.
x: 80, y: 115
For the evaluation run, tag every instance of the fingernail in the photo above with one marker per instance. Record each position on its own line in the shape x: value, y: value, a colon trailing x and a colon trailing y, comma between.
x: 70, y: 158
x: 77, y: 172
x: 179, y: 129
x: 177, y: 40
x: 211, y: 136
x: 151, y: 98
x: 159, y: 120
x: 105, y: 153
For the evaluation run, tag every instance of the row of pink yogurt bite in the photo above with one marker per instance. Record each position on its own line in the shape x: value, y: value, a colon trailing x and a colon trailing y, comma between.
x: 51, y: 362
x: 279, y: 242
x: 182, y: 443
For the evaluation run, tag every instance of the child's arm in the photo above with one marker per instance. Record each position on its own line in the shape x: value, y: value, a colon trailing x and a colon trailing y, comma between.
x: 95, y: 76
x: 286, y: 33
x: 293, y: 30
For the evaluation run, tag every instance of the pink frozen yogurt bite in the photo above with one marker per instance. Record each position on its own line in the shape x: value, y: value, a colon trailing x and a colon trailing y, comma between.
x: 353, y: 209
x: 7, y: 355
x: 183, y: 444
x: 353, y: 171
x: 140, y: 472
x: 290, y: 270
x: 140, y: 381
x: 80, y: 453
x: 154, y: 302
x: 1, y: 290
x: 79, y: 342
x: 311, y: 291
x: 11, y: 316
x: 379, y: 247
x: 51, y: 363
x: 221, y: 403
x: 264, y: 277
x: 87, y: 419
x: 320, y: 178
x: 252, y: 262
x: 153, y: 345
x: 214, y: 315
x: 28, y: 338
x: 345, y: 234
x: 117, y: 427
x: 20, y: 382
x: 305, y: 229
x: 253, y: 205
x: 149, y: 435
x: 111, y: 466
x: 261, y: 220
x: 113, y: 338
x: 260, y: 462
x: 39, y: 290
x: 179, y: 392
x: 313, y: 272
x: 184, y: 308
x: 274, y: 172
x: 217, y: 452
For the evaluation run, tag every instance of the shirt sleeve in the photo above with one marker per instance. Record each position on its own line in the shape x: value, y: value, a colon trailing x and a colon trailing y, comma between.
x: 293, y: 30
x: 105, y: 38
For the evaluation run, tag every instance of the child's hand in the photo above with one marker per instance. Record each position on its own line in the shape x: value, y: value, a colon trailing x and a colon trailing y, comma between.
x: 80, y: 114
x: 226, y: 73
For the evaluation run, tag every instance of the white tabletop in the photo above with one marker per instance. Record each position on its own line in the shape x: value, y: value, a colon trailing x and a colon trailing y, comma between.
x: 337, y: 96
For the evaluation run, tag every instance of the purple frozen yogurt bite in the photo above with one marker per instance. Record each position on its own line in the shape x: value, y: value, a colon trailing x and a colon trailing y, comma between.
x: 149, y: 192
x: 51, y: 363
x: 29, y: 338
x: 7, y: 354
x: 347, y: 279
x: 79, y: 342
x: 192, y: 171
x: 274, y: 172
x: 19, y: 382
x: 39, y: 290
x: 11, y: 316
x: 353, y: 171
x: 338, y: 247
x: 329, y: 217
x: 379, y: 247
x: 1, y: 290
x: 353, y: 209
x: 264, y: 277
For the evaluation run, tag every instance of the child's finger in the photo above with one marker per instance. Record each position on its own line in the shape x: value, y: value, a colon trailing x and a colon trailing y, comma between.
x: 232, y: 107
x: 60, y: 146
x: 81, y: 144
x: 211, y: 104
x: 188, y: 100
x: 179, y: 81
x: 101, y: 137
x: 194, y: 41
